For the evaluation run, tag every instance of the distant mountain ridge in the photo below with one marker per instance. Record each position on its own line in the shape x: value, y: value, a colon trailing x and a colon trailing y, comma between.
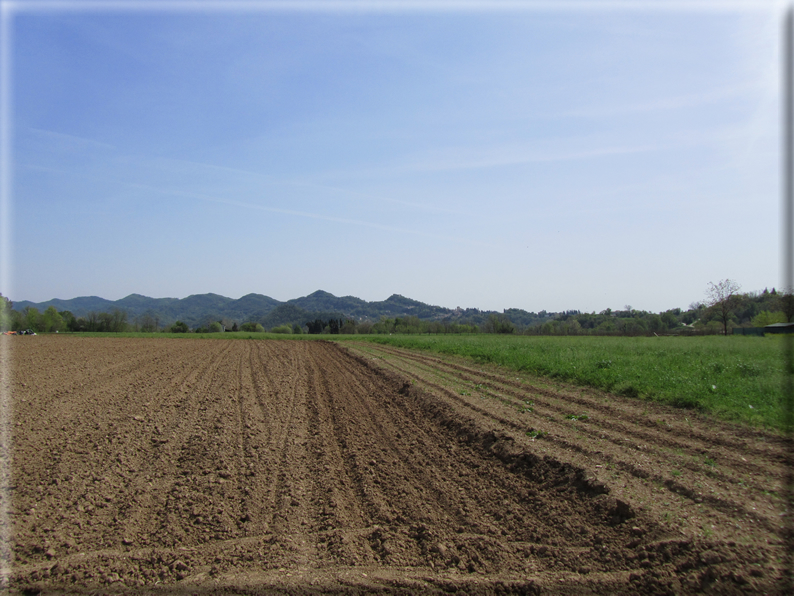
x: 200, y: 309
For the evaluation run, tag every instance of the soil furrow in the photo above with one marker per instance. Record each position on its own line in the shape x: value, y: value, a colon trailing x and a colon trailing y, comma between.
x: 770, y: 448
x: 599, y: 431
x: 388, y: 434
x: 163, y: 455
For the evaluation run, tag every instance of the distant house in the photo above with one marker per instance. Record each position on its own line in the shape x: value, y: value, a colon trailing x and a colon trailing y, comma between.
x: 774, y: 328
x: 779, y: 328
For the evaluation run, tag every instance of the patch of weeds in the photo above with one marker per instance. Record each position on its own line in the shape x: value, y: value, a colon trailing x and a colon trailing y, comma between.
x: 526, y: 409
x: 716, y: 367
x: 687, y: 403
x: 465, y: 393
x: 627, y: 389
x: 676, y: 473
x: 575, y: 417
x: 747, y: 369
x: 536, y: 434
x: 667, y: 517
x: 709, y: 462
x: 603, y: 364
x: 707, y: 532
x: 610, y: 466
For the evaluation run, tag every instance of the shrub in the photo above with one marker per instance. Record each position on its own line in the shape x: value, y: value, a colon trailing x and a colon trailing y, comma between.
x: 765, y: 318
x: 281, y: 329
x: 179, y: 327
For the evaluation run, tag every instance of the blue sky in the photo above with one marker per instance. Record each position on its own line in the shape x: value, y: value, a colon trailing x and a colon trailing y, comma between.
x: 533, y: 159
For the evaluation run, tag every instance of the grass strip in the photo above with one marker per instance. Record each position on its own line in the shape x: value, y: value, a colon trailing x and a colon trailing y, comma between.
x: 737, y: 378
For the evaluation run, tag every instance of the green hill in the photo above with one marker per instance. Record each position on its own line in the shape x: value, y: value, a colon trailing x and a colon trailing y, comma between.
x: 199, y: 310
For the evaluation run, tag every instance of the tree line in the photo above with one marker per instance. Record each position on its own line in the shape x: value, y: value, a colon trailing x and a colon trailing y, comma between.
x: 51, y: 320
x: 723, y: 308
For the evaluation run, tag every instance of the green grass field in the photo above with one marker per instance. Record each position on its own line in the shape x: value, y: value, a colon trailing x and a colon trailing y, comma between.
x: 735, y: 377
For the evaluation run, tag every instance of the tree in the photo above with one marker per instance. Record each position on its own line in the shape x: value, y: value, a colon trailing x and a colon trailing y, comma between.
x: 723, y: 299
x: 118, y: 321
x: 179, y: 327
x: 68, y: 319
x: 215, y: 327
x: 148, y: 323
x: 32, y: 319
x: 498, y: 323
x: 669, y: 320
x: 52, y: 321
x: 349, y: 328
x: 787, y: 303
x: 5, y: 313
x: 572, y: 327
x: 765, y: 318
x: 315, y: 327
x: 105, y: 322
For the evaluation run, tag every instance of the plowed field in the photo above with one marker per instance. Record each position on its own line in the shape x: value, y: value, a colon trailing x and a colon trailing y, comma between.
x: 215, y: 466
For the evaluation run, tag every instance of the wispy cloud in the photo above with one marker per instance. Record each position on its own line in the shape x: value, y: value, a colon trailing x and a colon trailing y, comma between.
x: 309, y: 215
x: 347, y: 192
x: 661, y: 104
x: 70, y: 139
x: 509, y: 158
x: 467, y: 159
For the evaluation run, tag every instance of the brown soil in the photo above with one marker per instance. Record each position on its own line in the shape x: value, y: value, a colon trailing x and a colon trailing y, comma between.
x: 217, y: 467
